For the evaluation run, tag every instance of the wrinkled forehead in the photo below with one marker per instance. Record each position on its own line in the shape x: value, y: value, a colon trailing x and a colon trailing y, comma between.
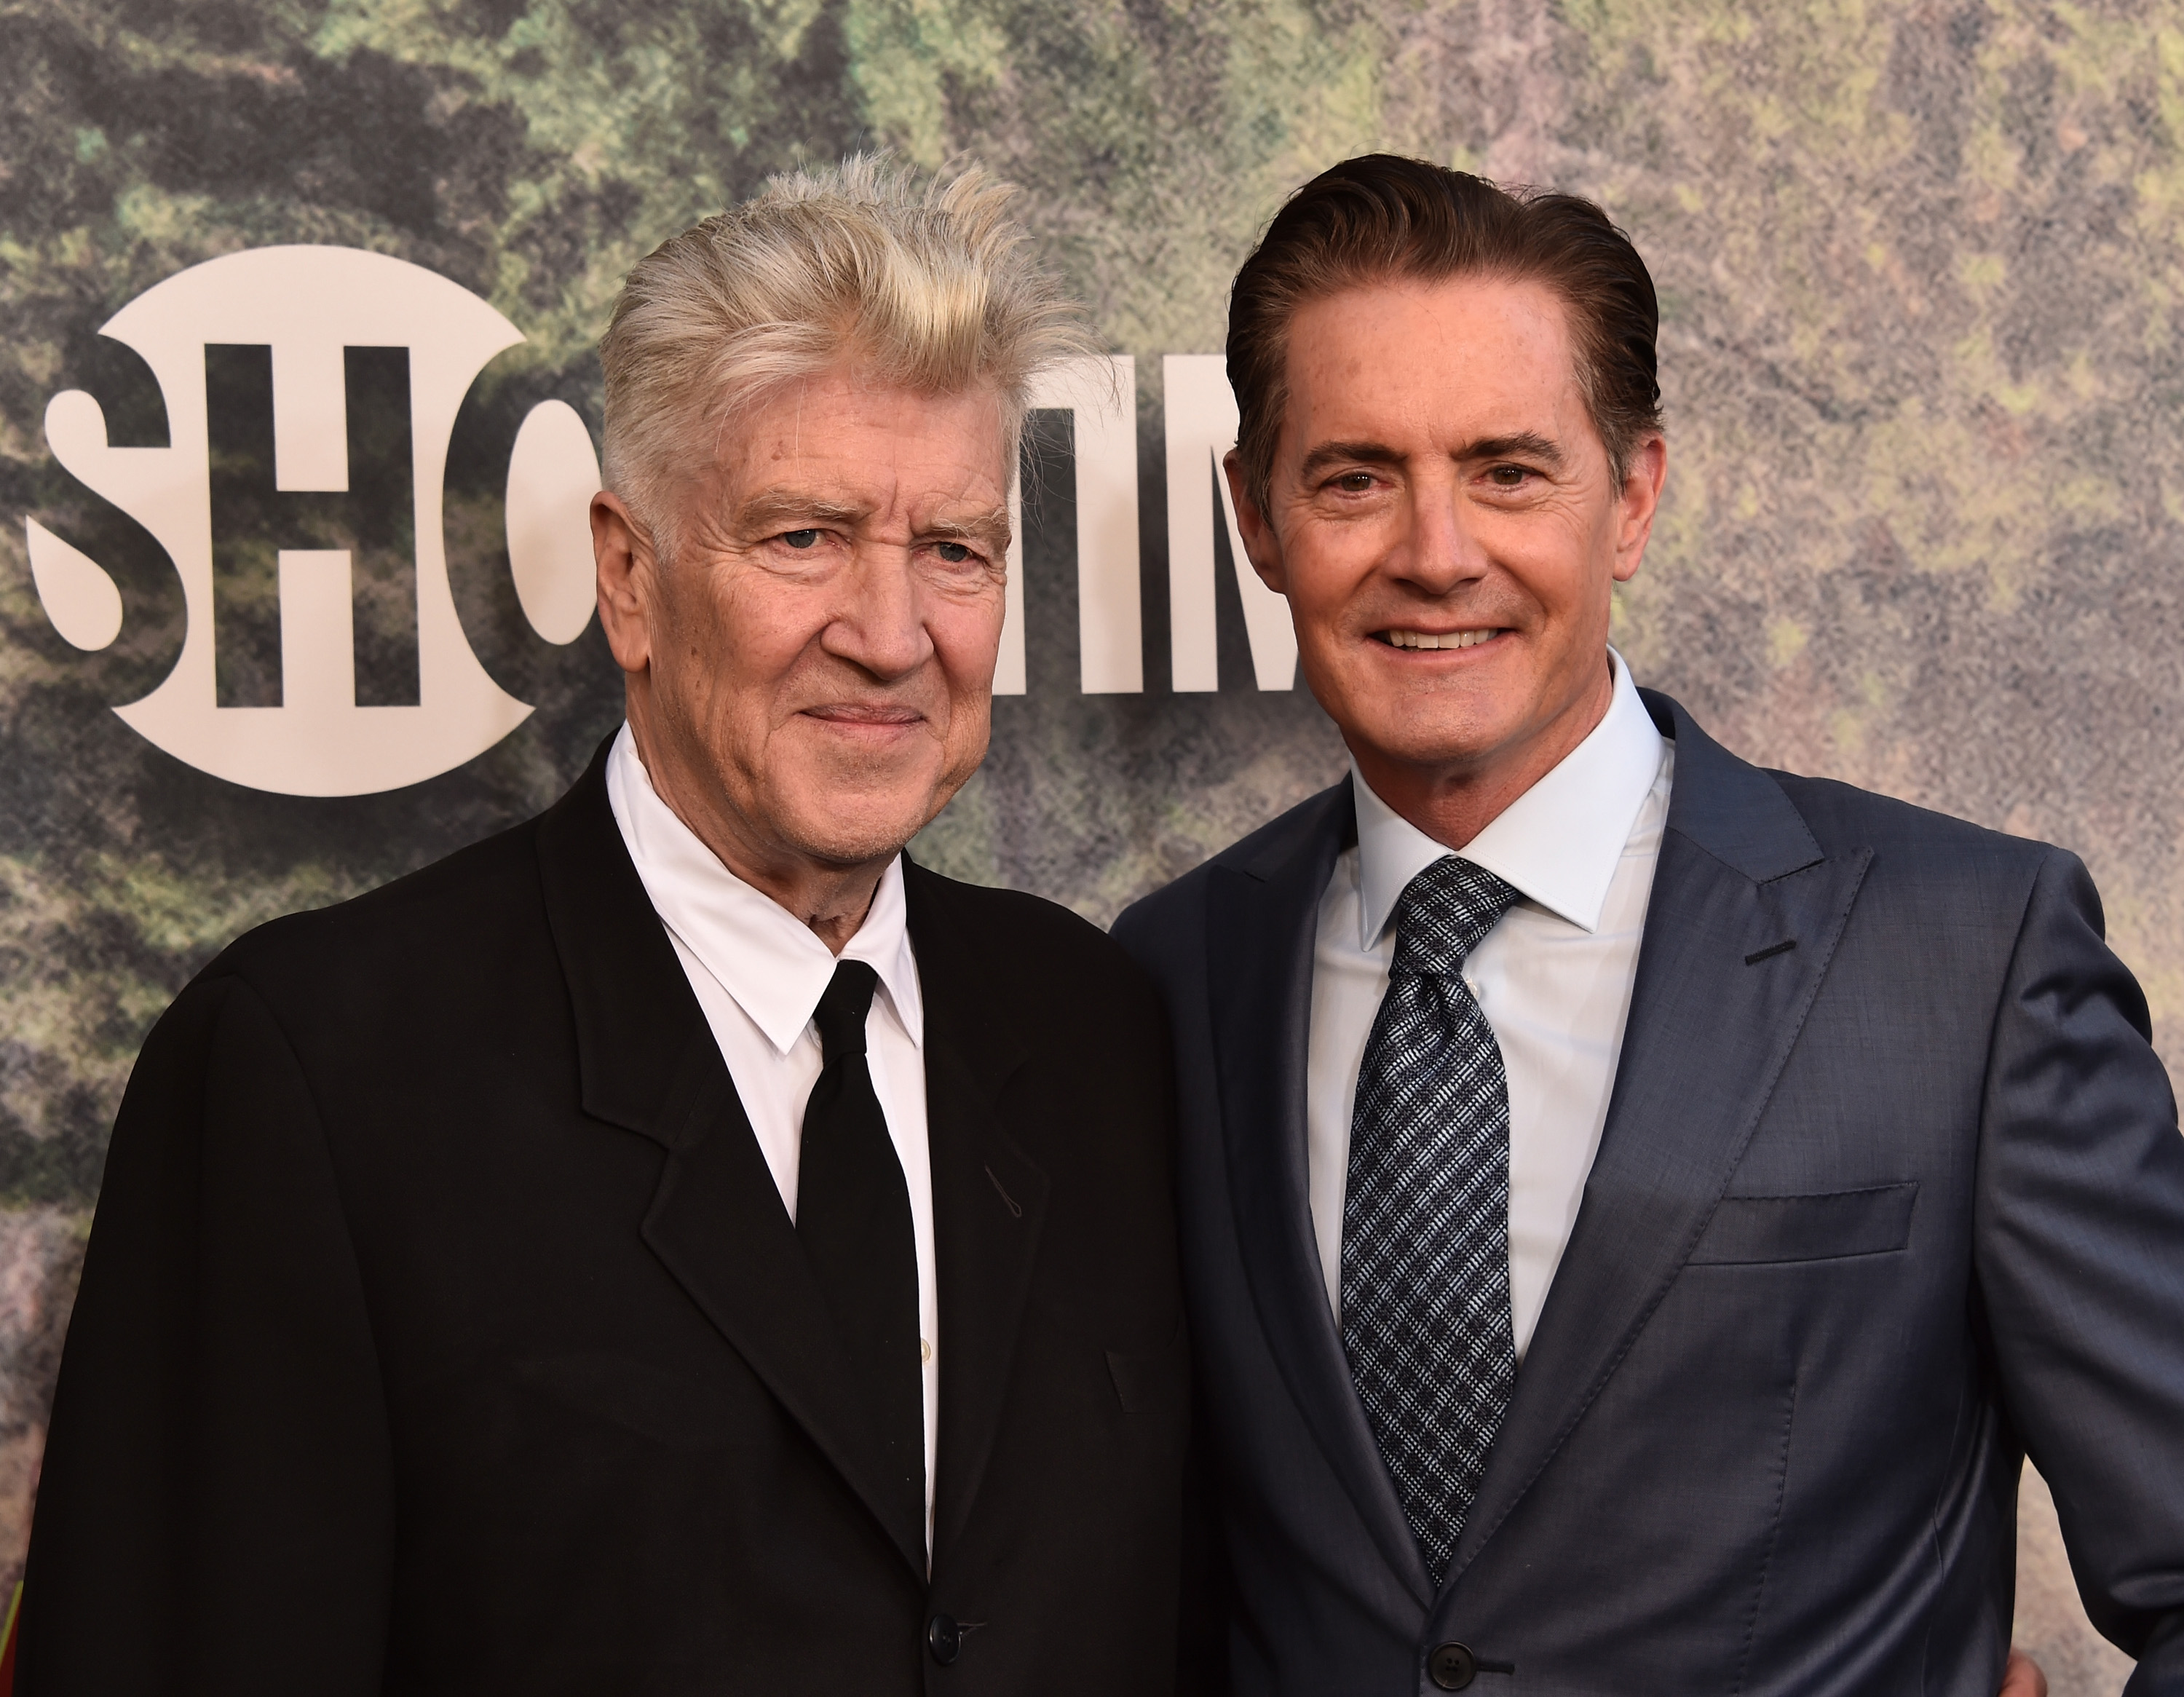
x: 852, y: 441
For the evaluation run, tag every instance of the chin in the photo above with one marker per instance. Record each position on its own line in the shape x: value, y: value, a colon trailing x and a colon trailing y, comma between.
x: 1418, y: 738
x: 855, y: 836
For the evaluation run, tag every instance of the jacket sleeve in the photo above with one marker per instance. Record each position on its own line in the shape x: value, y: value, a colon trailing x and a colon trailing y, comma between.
x: 215, y: 1513
x: 2079, y: 1235
x: 1205, y: 1609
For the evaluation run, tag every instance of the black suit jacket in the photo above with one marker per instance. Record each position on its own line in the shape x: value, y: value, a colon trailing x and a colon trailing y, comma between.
x: 1890, y: 1191
x: 442, y: 1329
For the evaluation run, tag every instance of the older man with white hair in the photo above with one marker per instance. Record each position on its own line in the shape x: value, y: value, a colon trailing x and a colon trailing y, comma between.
x: 679, y: 1244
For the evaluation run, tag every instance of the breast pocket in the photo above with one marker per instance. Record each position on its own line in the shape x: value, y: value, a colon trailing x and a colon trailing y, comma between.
x: 1754, y: 1230
x: 657, y: 1404
x: 1151, y: 1381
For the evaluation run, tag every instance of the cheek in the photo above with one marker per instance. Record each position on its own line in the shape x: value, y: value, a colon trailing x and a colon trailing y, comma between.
x: 966, y: 638
x: 690, y: 613
x: 1558, y: 565
x: 752, y: 632
x: 1331, y: 562
x: 1317, y: 582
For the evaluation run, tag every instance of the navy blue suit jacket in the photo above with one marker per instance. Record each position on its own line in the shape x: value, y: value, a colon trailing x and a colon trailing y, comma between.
x: 1890, y: 1193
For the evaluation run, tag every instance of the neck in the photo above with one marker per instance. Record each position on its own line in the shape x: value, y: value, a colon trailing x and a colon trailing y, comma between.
x: 832, y: 900
x: 1453, y: 801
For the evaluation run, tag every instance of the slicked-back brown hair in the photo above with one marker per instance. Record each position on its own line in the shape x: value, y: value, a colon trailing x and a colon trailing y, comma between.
x: 1380, y: 218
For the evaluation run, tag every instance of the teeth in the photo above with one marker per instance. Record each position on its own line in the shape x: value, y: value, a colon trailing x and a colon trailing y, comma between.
x: 1441, y: 639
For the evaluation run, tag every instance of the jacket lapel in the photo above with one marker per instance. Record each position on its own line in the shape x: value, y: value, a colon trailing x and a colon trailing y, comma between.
x: 649, y: 1065
x: 988, y: 1197
x: 1740, y: 875
x: 1263, y: 919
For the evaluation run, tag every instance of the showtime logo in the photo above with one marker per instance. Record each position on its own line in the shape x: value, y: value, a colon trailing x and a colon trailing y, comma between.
x: 311, y: 393
x: 347, y: 368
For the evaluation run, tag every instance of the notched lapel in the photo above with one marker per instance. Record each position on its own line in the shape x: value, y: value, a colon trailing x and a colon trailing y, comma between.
x: 649, y: 1065
x: 988, y: 1207
x: 1261, y: 921
x: 990, y: 1199
x: 717, y: 1225
x: 1709, y: 1032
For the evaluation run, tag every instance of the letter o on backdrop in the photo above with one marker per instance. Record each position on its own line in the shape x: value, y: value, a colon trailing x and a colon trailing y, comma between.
x: 552, y: 474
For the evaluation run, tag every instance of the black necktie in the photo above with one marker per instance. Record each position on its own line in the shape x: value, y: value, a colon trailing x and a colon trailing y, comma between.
x: 1425, y: 1217
x: 853, y: 1216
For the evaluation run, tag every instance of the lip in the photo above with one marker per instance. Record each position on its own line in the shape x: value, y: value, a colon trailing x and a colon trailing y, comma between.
x: 1417, y: 639
x: 857, y: 719
x: 860, y: 713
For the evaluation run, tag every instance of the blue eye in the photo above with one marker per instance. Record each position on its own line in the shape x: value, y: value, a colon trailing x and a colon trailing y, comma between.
x: 800, y: 539
x: 953, y: 553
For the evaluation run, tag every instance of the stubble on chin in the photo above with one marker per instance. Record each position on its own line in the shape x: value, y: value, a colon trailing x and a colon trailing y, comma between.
x: 847, y: 810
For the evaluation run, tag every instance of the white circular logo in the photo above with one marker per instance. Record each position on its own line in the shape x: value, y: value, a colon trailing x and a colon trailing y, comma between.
x: 334, y: 337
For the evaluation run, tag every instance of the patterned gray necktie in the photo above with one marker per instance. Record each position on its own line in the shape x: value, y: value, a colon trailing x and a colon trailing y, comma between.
x: 1425, y: 1218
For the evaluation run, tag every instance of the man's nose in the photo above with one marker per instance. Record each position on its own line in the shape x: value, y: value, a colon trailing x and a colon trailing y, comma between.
x: 1438, y: 551
x: 879, y: 624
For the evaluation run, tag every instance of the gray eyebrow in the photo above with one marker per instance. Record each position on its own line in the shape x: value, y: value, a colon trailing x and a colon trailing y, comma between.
x: 776, y: 506
x: 988, y: 529
x: 771, y: 507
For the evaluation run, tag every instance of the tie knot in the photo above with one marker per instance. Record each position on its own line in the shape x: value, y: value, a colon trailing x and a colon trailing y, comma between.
x: 1444, y: 913
x: 840, y: 1015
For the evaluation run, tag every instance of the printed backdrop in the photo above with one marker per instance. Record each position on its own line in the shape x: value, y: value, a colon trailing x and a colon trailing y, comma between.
x: 1920, y: 269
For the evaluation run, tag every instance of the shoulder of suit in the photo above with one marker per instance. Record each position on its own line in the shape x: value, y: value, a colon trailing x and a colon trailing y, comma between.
x: 982, y: 905
x: 1843, y: 817
x: 1015, y: 926
x: 1285, y: 834
x: 454, y: 902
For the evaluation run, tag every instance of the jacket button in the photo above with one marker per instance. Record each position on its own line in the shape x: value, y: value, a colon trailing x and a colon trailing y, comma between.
x: 945, y: 1639
x: 1452, y: 1666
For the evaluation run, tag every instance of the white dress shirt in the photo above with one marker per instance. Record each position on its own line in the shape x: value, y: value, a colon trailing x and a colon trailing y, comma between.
x: 758, y: 971
x: 1553, y: 977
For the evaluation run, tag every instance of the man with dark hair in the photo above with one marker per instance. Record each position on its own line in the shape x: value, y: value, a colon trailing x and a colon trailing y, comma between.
x: 1639, y: 1210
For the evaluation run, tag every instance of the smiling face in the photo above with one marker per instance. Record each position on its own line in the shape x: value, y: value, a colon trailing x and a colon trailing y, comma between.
x: 1444, y: 520
x: 810, y: 668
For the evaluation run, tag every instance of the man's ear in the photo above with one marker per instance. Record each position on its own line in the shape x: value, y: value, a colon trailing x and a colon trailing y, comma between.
x: 622, y: 550
x: 1260, y: 540
x: 1637, y: 504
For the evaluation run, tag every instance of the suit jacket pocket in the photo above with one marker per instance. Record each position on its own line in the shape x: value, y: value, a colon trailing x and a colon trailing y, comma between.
x: 1144, y: 1381
x: 1749, y: 1230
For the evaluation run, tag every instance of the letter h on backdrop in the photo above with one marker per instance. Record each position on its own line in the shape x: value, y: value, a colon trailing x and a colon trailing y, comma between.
x: 314, y: 561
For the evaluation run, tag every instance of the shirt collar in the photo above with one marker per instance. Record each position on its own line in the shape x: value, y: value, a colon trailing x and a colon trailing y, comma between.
x: 1558, y: 844
x: 769, y: 960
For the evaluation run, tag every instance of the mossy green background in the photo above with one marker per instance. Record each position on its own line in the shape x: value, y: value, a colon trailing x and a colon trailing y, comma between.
x: 1920, y: 268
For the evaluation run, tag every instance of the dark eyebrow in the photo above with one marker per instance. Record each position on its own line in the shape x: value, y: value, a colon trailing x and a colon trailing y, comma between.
x: 1523, y: 445
x: 1329, y: 453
